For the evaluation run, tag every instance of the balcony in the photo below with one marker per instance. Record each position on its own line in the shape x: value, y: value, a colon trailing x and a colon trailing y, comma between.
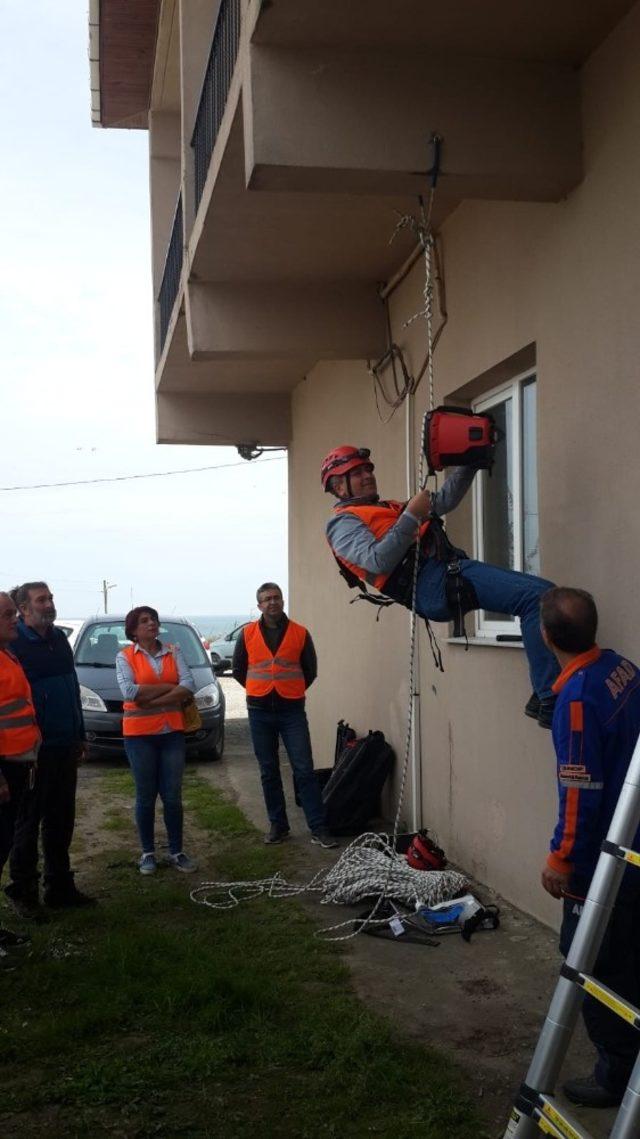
x: 215, y: 90
x: 303, y: 133
x: 171, y: 275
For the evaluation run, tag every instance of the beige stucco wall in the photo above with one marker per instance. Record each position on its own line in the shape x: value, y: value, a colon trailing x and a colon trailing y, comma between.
x: 566, y: 277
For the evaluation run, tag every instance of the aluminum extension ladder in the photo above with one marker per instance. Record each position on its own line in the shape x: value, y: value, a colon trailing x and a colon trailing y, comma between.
x: 536, y: 1109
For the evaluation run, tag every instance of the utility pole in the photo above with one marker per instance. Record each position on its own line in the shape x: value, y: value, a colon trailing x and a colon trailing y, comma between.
x: 106, y: 586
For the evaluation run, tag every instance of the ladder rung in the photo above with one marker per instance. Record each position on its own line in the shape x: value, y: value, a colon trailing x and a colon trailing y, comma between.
x: 542, y: 1108
x: 602, y: 993
x: 621, y: 852
x: 559, y: 1124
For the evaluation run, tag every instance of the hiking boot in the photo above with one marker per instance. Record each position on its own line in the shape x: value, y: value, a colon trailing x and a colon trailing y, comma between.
x: 276, y: 834
x: 183, y: 862
x: 67, y: 898
x: 11, y: 940
x: 26, y: 904
x: 148, y: 864
x: 587, y: 1092
x: 532, y: 707
x: 547, y: 707
x: 323, y: 838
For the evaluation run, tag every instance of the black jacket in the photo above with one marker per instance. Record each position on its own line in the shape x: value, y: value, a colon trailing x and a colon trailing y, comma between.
x: 48, y: 664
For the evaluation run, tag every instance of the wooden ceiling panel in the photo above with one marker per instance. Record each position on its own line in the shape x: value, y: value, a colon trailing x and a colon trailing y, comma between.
x: 127, y: 49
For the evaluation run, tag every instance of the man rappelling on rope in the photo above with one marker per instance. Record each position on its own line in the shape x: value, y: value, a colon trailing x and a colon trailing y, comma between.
x: 374, y: 542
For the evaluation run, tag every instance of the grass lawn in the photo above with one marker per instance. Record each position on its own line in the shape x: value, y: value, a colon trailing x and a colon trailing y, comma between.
x: 151, y: 1016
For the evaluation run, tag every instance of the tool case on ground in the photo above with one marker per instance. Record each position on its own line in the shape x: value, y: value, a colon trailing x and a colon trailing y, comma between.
x: 352, y: 794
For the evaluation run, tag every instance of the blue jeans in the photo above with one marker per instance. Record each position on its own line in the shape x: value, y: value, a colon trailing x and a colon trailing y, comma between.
x: 500, y: 591
x: 157, y: 763
x: 291, y: 726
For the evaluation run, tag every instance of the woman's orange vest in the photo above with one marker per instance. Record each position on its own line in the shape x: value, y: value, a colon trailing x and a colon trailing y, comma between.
x: 139, y: 721
x: 379, y: 517
x: 18, y: 728
x: 282, y: 671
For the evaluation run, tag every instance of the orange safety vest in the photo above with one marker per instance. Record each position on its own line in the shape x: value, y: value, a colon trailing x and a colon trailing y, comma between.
x: 379, y: 517
x: 19, y: 731
x: 282, y: 671
x: 137, y: 721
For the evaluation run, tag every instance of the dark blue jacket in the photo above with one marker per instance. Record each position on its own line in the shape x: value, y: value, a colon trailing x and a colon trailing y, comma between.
x: 596, y: 724
x: 48, y: 663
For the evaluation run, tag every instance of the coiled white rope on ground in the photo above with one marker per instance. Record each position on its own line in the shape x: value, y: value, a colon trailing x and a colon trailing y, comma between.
x: 368, y: 868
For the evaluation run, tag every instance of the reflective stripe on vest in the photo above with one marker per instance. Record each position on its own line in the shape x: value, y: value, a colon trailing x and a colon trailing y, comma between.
x: 282, y: 672
x: 18, y: 727
x: 137, y: 721
x: 378, y: 517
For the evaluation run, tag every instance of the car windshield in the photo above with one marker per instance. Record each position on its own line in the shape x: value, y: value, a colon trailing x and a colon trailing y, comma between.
x: 101, y: 643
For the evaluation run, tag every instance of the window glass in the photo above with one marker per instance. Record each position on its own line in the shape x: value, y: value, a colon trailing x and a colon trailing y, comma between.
x: 530, y: 526
x: 497, y: 494
x: 506, y: 502
x: 102, y: 642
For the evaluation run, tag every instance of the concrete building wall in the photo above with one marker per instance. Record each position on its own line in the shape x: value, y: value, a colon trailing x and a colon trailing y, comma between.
x: 565, y: 278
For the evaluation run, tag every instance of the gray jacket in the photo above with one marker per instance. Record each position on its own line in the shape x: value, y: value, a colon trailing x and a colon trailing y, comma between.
x: 352, y: 540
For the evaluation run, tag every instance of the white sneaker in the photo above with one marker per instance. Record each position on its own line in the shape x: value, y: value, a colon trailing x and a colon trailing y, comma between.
x: 183, y: 862
x: 148, y: 864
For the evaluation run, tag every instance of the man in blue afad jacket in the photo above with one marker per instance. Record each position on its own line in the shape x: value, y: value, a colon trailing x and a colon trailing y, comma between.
x: 596, y: 724
x: 46, y: 657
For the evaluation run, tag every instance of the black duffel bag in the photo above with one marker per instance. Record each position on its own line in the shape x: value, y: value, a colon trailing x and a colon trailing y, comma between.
x: 352, y: 794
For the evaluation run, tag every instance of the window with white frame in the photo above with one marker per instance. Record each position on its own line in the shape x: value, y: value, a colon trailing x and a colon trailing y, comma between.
x: 506, y: 502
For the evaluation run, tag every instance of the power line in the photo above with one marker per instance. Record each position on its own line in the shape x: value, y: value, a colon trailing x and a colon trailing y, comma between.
x: 129, y: 478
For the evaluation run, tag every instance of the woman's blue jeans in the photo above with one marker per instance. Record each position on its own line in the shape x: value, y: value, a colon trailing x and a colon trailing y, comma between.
x: 157, y: 763
x: 291, y: 725
x: 500, y: 591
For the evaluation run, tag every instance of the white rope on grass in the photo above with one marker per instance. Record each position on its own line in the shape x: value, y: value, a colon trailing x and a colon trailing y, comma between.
x: 368, y: 868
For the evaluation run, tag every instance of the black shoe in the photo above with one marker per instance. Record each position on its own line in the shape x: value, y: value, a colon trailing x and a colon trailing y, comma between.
x: 11, y: 940
x: 545, y: 715
x: 587, y: 1092
x: 276, y: 834
x: 67, y: 898
x: 532, y: 707
x: 323, y: 838
x: 26, y: 904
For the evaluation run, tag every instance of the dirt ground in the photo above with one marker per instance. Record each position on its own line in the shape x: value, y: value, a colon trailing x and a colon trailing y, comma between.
x: 482, y: 1002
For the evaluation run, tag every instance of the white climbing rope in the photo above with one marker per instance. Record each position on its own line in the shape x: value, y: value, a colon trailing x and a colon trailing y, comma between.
x: 370, y: 866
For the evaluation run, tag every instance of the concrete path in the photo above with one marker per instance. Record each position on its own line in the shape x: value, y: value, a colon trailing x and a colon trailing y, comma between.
x: 482, y: 1002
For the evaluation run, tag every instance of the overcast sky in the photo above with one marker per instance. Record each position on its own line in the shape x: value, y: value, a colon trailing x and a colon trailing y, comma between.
x: 76, y: 362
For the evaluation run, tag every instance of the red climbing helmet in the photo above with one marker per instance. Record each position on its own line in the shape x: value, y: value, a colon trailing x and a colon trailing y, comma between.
x: 342, y: 460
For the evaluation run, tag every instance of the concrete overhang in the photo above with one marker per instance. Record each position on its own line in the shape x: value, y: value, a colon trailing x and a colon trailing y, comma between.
x: 559, y: 31
x: 298, y: 238
x: 223, y: 401
x: 362, y: 123
x: 122, y: 39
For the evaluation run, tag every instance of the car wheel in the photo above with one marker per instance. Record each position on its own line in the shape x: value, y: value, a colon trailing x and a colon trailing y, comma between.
x: 213, y: 754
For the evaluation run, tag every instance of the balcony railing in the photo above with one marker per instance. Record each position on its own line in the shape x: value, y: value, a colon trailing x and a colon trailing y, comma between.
x: 215, y: 90
x: 171, y: 275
